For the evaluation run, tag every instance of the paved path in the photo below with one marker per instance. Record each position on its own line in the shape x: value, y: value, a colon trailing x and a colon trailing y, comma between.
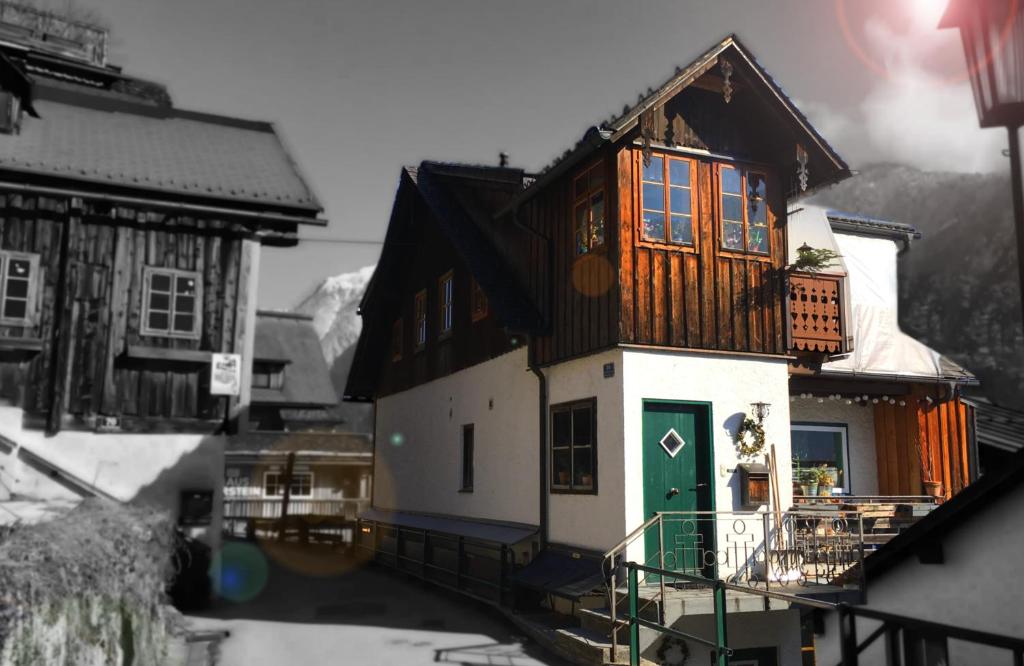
x: 322, y: 608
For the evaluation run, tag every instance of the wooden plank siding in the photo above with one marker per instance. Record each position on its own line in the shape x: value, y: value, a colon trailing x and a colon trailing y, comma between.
x: 704, y: 297
x: 468, y: 343
x: 940, y: 427
x: 83, y: 366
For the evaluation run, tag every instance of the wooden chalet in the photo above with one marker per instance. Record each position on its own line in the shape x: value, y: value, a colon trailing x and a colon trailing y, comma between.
x: 568, y: 369
x: 130, y: 236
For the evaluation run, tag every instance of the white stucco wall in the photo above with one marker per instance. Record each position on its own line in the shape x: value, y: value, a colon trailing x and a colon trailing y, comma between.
x: 860, y: 422
x: 730, y: 383
x: 979, y: 586
x: 595, y: 522
x: 418, y: 462
x: 148, y: 469
x: 778, y: 629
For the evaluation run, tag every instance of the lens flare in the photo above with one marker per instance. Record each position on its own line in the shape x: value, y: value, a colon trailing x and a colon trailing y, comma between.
x: 243, y: 571
x: 397, y: 439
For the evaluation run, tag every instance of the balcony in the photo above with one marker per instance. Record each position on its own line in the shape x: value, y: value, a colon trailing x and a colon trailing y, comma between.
x: 816, y: 317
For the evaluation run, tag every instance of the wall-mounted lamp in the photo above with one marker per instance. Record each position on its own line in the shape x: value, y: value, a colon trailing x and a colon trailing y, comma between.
x: 760, y: 410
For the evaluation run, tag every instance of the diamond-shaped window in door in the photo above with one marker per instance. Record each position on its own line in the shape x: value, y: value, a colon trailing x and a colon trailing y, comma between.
x: 672, y: 442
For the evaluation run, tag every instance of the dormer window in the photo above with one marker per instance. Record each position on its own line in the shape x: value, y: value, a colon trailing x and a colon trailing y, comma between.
x: 744, y: 210
x: 268, y: 374
x: 588, y: 209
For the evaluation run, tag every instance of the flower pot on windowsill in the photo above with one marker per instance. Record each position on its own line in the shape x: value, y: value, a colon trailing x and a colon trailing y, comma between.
x: 587, y: 480
x: 824, y: 490
x: 563, y: 478
x: 933, y: 488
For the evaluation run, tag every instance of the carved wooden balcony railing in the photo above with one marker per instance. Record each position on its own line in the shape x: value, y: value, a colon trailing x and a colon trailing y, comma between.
x: 816, y: 312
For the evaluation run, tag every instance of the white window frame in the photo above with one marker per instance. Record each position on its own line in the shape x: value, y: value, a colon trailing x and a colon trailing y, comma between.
x: 33, y: 288
x: 197, y: 309
x: 844, y: 431
x: 446, y: 301
x: 280, y: 475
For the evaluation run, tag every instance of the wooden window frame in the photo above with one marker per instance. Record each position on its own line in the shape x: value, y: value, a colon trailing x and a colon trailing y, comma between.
x: 478, y: 301
x: 445, y: 309
x: 197, y: 307
x: 419, y: 309
x: 743, y: 169
x: 694, y: 245
x: 571, y: 488
x: 467, y: 464
x: 30, y: 318
x: 280, y: 475
x: 396, y: 340
x: 584, y: 199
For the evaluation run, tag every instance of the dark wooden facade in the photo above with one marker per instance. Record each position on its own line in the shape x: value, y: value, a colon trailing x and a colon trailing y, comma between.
x: 469, y: 341
x: 86, y: 362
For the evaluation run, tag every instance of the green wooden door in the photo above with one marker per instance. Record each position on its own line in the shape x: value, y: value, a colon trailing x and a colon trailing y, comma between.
x: 677, y: 463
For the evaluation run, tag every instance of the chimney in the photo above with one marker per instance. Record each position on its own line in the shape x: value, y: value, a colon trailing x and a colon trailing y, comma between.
x: 503, y: 159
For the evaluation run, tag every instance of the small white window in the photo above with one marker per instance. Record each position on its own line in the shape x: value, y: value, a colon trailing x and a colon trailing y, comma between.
x: 19, y: 275
x: 446, y: 290
x: 301, y: 486
x: 172, y: 301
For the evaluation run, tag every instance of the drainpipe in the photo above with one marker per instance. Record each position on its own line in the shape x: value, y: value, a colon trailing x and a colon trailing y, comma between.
x: 542, y: 451
x: 542, y: 439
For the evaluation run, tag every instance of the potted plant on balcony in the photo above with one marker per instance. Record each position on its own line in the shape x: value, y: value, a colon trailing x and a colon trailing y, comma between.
x: 824, y: 479
x: 808, y: 482
x: 932, y: 486
x: 812, y: 260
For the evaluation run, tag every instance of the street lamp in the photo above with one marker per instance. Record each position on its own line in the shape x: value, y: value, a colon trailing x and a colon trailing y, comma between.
x: 993, y: 37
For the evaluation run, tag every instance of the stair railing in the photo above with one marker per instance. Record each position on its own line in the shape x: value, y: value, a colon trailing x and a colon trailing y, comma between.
x: 610, y: 567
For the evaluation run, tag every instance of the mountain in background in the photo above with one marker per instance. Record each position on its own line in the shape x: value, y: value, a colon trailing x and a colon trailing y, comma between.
x: 334, y: 307
x: 959, y: 291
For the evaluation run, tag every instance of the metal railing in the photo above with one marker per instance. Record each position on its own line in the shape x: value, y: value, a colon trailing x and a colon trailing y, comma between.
x: 475, y: 567
x: 864, y: 499
x: 240, y: 508
x: 904, y: 636
x: 756, y: 549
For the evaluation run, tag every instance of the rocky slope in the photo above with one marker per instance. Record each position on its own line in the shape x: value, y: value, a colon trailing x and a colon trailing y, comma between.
x: 333, y: 306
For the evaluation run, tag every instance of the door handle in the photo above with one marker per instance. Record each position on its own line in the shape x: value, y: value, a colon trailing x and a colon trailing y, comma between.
x: 672, y: 493
x: 699, y: 485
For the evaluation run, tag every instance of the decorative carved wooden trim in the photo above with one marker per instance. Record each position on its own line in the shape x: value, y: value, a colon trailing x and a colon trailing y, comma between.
x: 648, y: 132
x: 814, y: 312
x: 727, y: 88
x: 801, y: 169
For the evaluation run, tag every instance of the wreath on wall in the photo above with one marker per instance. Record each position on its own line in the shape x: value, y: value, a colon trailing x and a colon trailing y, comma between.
x: 749, y: 438
x: 673, y: 652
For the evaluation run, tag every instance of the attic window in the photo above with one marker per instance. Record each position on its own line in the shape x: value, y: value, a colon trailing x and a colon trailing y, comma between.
x: 268, y: 374
x: 171, y: 303
x: 478, y: 306
x: 588, y: 209
x: 446, y: 297
x: 420, y: 318
x: 10, y: 112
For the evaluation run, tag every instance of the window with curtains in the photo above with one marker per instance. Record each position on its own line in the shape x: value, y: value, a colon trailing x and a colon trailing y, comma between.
x: 744, y: 212
x: 667, y: 200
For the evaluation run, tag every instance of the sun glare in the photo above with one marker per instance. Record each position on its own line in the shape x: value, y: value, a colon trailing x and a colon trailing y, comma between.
x: 927, y: 12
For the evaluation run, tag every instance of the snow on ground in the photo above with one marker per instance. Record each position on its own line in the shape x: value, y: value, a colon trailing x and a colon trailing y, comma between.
x: 328, y: 610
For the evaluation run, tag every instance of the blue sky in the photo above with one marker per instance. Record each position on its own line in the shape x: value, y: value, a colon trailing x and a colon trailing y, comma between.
x: 359, y: 88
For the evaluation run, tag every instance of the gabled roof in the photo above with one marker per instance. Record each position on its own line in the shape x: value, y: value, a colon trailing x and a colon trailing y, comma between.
x: 454, y: 195
x: 870, y: 226
x: 998, y: 427
x: 620, y: 125
x: 289, y: 339
x: 106, y: 140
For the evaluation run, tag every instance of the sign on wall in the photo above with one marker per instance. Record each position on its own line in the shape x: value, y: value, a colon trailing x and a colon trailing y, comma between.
x: 226, y: 374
